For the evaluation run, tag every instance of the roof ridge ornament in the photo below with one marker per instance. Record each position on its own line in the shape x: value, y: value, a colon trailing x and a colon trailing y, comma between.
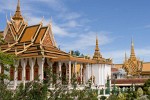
x: 42, y: 20
x: 17, y: 15
x: 97, y: 54
x: 132, y: 55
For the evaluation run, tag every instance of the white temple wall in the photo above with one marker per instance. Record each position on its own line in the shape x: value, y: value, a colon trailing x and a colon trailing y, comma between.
x: 100, y: 72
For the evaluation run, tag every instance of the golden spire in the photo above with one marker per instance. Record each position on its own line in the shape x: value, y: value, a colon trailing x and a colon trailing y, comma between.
x: 132, y: 56
x: 17, y: 15
x: 97, y: 54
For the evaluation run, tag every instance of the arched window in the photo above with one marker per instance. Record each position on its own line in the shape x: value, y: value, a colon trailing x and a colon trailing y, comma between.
x: 19, y: 72
x: 36, y: 71
x: 11, y: 73
x: 28, y: 71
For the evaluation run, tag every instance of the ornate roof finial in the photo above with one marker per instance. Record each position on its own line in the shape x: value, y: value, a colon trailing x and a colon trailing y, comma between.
x: 97, y: 54
x: 17, y: 15
x: 42, y: 20
x: 132, y: 56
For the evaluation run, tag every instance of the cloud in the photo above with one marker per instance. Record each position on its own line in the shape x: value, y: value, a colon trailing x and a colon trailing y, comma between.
x: 86, y: 40
x: 71, y: 24
x: 56, y: 5
x: 118, y: 55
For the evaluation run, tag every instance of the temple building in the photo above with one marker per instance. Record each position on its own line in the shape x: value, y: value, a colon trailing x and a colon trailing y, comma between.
x: 132, y: 66
x: 36, y: 49
x: 134, y: 71
x: 102, y: 69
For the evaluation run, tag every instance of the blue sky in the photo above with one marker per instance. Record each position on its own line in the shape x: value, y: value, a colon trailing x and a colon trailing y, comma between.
x: 76, y: 23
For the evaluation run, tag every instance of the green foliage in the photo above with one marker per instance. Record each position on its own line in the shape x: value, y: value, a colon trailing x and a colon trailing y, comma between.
x: 112, y: 97
x: 37, y: 90
x: 121, y: 96
x: 146, y: 86
x: 7, y: 59
x: 103, y: 98
x: 139, y: 92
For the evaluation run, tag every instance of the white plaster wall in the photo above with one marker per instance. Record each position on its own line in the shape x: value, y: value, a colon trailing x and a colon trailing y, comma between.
x: 100, y: 71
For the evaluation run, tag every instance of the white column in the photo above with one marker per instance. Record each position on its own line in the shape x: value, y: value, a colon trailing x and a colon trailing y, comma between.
x: 32, y: 63
x: 92, y: 73
x: 69, y: 73
x: 100, y: 74
x: 104, y: 91
x: 42, y: 70
x: 88, y: 69
x: 81, y: 74
x: 15, y: 77
x: 15, y: 74
x: 41, y: 67
x: 24, y: 74
x: 75, y: 68
x: 23, y: 64
x: 60, y: 72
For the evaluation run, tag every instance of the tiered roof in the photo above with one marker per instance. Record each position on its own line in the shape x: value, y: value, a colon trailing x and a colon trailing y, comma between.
x: 97, y: 55
x: 133, y: 66
x: 32, y: 41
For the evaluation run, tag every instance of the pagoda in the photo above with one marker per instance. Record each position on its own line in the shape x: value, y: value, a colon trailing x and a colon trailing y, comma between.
x: 36, y: 49
x: 132, y: 66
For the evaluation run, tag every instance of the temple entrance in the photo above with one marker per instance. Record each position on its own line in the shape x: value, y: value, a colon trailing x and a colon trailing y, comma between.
x: 64, y: 81
x: 54, y: 68
x: 20, y: 72
x: 36, y: 71
x: 11, y: 73
x: 46, y: 71
x: 28, y: 71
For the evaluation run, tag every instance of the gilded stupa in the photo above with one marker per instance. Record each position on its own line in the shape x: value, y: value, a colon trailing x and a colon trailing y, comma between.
x: 132, y: 66
x: 97, y: 55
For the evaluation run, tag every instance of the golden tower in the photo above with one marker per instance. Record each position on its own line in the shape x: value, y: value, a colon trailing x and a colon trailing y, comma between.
x: 17, y: 15
x: 97, y: 55
x: 132, y: 65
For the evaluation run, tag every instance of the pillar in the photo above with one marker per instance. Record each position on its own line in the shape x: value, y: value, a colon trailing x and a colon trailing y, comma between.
x: 60, y: 72
x: 24, y: 75
x: 32, y: 63
x: 69, y: 73
x: 88, y: 69
x: 15, y: 74
x: 23, y: 64
x: 92, y: 73
x: 40, y: 62
x: 15, y: 77
x: 81, y: 74
x: 75, y: 68
x: 42, y: 70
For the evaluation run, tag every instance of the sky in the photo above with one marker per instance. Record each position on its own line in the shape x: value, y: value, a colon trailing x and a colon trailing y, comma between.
x: 77, y: 22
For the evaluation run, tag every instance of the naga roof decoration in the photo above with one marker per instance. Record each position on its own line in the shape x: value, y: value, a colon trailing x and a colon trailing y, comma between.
x: 36, y: 41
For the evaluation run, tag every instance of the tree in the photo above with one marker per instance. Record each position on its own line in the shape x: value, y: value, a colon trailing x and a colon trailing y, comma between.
x: 121, y: 96
x: 146, y: 86
x: 139, y: 92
